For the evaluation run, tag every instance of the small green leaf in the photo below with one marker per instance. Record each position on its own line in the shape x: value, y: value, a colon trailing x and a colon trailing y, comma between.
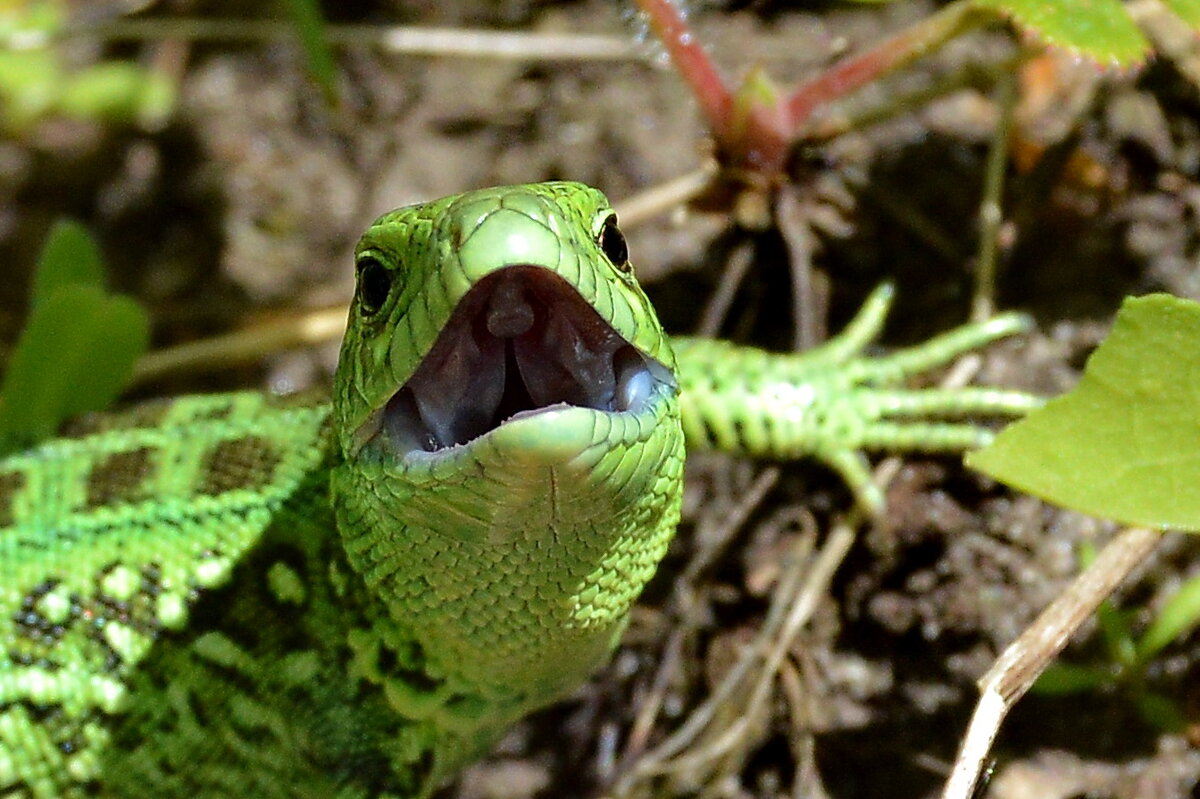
x: 79, y: 343
x: 70, y: 256
x: 1179, y: 615
x: 75, y: 354
x: 118, y: 91
x: 1187, y: 10
x: 1116, y: 624
x: 1125, y: 443
x: 1101, y: 30
x: 310, y: 25
x: 1161, y: 711
x: 1063, y: 679
x: 30, y: 84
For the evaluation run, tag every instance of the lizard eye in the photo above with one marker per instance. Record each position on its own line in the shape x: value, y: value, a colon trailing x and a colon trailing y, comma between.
x: 374, y: 284
x: 612, y: 242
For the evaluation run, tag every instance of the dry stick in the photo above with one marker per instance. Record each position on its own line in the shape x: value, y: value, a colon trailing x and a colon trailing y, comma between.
x: 729, y: 525
x: 665, y: 196
x: 713, y: 545
x: 717, y: 307
x: 1024, y: 659
x: 649, y: 763
x: 797, y: 234
x: 807, y: 783
x: 410, y: 40
x: 649, y: 708
x: 251, y: 344
x: 648, y: 713
x: 811, y: 589
x: 416, y: 40
x: 801, y: 739
x: 797, y: 596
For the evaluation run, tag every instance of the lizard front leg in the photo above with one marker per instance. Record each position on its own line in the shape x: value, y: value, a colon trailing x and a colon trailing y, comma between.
x: 833, y: 402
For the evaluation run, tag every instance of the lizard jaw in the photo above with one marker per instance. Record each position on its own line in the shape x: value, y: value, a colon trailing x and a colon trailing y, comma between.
x: 521, y: 342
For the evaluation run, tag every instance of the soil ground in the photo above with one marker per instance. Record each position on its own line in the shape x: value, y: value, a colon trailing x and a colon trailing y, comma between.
x: 245, y: 206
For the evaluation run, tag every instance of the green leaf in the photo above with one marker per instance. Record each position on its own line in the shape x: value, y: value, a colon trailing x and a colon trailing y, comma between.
x: 306, y: 15
x: 70, y: 256
x: 30, y: 83
x: 1116, y: 625
x: 1161, y: 711
x: 1179, y: 615
x: 78, y: 347
x: 26, y: 19
x: 75, y: 354
x: 1063, y: 679
x: 118, y: 91
x: 1101, y: 30
x: 1125, y: 443
x: 1187, y: 10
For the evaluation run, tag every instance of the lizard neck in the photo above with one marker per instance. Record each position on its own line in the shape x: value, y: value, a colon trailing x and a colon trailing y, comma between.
x: 513, y: 579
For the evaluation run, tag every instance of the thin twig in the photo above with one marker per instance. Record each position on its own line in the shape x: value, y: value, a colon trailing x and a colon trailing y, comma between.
x: 648, y: 709
x: 717, y: 307
x: 1025, y: 658
x: 409, y: 40
x: 991, y: 213
x: 243, y: 346
x: 796, y: 597
x: 712, y: 542
x: 665, y: 196
x: 794, y: 227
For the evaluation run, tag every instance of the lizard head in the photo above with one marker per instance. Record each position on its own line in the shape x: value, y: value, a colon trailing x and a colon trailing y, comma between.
x: 506, y: 409
x: 478, y: 311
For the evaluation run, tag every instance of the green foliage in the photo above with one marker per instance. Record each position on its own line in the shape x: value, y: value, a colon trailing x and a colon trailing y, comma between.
x: 117, y: 91
x: 1128, y: 656
x: 1101, y: 30
x: 1176, y: 618
x: 1186, y: 10
x: 78, y: 347
x: 35, y: 83
x: 1125, y: 443
x: 310, y: 26
x: 69, y: 256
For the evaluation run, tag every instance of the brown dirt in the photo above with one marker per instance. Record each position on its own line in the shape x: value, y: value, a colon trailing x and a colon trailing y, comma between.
x: 249, y: 201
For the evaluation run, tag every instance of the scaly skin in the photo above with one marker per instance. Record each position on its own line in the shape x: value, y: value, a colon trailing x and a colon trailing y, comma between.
x: 235, y: 595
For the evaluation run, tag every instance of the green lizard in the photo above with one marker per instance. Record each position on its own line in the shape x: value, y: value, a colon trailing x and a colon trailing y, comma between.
x: 239, y: 595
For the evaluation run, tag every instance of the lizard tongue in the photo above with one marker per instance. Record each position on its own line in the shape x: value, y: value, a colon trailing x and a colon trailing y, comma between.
x: 581, y: 374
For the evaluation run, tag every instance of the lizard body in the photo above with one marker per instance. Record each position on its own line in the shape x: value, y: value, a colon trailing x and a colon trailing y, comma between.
x: 242, y: 595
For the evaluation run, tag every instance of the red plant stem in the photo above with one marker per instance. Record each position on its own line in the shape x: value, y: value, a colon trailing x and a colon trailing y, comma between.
x: 692, y: 63
x: 855, y: 71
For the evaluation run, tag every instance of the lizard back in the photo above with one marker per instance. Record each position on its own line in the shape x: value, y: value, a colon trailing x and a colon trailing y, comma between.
x: 170, y: 583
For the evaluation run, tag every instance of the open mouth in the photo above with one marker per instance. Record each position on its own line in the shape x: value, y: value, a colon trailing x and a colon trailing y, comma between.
x: 522, y: 341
